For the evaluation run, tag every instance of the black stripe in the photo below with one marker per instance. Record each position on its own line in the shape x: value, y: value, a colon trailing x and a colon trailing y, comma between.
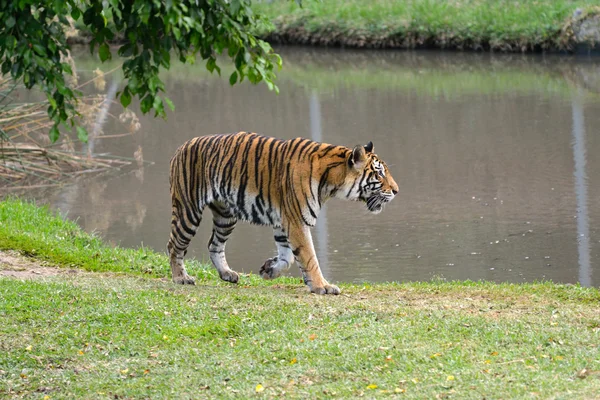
x: 224, y: 225
x: 301, y: 151
x: 281, y: 238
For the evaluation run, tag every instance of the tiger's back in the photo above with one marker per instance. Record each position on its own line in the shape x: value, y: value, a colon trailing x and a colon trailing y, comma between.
x: 235, y: 170
x: 267, y: 181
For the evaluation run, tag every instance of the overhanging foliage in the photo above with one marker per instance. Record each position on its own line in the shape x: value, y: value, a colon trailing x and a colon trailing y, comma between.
x: 33, y: 45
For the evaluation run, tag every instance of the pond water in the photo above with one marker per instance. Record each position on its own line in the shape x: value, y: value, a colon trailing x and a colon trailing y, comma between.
x: 497, y: 158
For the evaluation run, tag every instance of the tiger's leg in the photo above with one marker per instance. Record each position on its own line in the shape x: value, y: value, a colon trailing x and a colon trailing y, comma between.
x: 184, y: 224
x: 223, y: 223
x: 302, y: 247
x: 274, y: 267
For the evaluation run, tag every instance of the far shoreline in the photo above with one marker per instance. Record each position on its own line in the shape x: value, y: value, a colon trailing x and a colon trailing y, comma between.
x: 484, y: 26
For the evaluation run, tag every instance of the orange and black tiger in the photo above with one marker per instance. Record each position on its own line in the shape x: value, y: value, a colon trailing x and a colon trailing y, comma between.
x: 268, y: 181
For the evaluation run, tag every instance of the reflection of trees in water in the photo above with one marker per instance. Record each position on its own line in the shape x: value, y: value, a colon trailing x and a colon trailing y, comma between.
x: 99, y: 206
x: 321, y: 231
x: 581, y: 192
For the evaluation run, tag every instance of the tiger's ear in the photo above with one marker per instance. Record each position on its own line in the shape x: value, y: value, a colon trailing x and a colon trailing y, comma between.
x: 357, y: 157
x: 369, y: 147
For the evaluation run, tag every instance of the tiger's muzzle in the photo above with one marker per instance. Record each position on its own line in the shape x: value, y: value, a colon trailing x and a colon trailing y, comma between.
x: 377, y: 201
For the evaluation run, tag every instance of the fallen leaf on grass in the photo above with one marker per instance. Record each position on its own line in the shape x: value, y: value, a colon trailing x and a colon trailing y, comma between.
x: 28, y: 348
x: 313, y: 336
x: 434, y: 355
x: 450, y: 378
x: 399, y: 390
x: 372, y: 386
x: 259, y: 388
x: 293, y: 361
x: 584, y: 373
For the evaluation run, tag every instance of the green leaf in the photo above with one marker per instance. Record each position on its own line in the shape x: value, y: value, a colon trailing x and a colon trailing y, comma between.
x: 125, y: 97
x: 126, y: 50
x: 41, y: 50
x: 211, y: 64
x: 170, y: 103
x: 10, y: 42
x: 6, y: 66
x: 233, y: 78
x: 54, y: 133
x: 82, y: 134
x: 234, y: 6
x: 10, y: 22
x: 158, y: 106
x: 104, y: 52
x: 146, y: 103
x: 63, y: 20
x: 75, y: 13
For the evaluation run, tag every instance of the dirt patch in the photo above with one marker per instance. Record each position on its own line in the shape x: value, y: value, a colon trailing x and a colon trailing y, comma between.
x: 14, y: 265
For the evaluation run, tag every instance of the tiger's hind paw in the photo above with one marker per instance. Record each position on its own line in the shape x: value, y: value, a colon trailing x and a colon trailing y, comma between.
x: 327, y: 289
x: 230, y: 276
x: 267, y: 271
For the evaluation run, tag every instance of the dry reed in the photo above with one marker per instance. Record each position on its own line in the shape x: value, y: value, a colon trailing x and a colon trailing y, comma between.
x: 27, y: 159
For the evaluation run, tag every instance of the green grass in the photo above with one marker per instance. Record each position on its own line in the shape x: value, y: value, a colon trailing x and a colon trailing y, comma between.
x: 37, y: 232
x: 503, y: 25
x: 127, y: 335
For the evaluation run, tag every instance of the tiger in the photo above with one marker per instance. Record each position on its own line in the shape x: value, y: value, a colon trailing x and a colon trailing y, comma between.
x: 267, y: 181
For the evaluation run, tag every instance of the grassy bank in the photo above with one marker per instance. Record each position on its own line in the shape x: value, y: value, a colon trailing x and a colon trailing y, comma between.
x: 106, y: 335
x: 515, y: 26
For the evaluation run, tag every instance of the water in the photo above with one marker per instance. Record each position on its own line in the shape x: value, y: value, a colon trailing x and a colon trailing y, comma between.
x: 497, y: 159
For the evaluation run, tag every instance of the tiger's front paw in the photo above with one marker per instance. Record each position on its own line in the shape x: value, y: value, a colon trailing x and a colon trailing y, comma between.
x: 184, y: 279
x: 327, y: 289
x: 267, y: 271
x: 230, y: 276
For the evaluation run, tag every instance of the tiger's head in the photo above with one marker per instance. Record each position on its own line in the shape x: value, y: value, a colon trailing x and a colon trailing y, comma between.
x: 368, y: 179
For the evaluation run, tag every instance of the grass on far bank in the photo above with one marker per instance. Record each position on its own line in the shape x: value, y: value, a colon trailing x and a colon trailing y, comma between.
x: 122, y: 335
x: 470, y: 24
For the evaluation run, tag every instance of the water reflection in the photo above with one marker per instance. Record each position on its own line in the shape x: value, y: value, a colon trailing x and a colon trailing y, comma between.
x: 479, y: 145
x: 321, y: 233
x: 583, y: 229
x: 102, y: 115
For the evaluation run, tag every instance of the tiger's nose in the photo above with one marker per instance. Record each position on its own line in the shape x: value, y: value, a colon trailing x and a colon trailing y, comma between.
x: 394, y: 191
